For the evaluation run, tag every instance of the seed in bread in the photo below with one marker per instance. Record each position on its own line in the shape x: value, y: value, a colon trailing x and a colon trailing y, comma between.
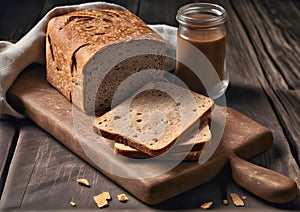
x: 89, y: 53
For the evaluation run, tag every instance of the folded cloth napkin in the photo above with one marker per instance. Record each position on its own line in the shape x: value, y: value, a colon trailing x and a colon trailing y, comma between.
x: 14, y: 57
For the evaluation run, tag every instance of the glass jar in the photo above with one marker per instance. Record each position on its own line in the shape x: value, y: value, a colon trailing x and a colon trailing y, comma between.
x: 202, y: 27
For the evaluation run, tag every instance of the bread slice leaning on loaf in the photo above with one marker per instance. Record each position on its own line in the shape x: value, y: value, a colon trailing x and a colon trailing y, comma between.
x: 89, y: 53
x: 155, y: 117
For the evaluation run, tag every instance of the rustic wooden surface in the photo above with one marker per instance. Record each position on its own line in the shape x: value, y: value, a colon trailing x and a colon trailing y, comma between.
x: 8, y: 136
x: 263, y: 62
x: 33, y: 96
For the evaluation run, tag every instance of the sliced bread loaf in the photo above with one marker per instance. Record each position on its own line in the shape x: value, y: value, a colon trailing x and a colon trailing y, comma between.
x: 155, y: 117
x: 90, y: 52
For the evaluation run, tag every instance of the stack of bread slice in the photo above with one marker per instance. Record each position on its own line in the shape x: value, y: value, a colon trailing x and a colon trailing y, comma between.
x: 161, y: 120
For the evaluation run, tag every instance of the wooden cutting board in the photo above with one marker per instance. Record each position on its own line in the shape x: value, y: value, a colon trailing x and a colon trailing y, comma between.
x: 150, y: 181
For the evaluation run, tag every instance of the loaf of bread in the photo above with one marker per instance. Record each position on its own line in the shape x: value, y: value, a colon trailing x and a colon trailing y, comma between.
x: 89, y: 53
x: 155, y: 117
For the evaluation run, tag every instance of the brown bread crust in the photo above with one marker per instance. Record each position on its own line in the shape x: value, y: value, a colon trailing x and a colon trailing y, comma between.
x: 74, y: 38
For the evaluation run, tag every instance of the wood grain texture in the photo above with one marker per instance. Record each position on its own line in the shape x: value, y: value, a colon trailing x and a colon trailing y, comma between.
x: 8, y: 135
x: 276, y: 55
x: 246, y: 95
x: 54, y: 113
x: 47, y: 180
x: 249, y: 92
x: 291, y: 121
x: 276, y: 188
x: 43, y: 176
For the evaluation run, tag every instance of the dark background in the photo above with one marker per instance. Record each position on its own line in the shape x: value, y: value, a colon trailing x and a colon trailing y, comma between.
x: 17, y: 16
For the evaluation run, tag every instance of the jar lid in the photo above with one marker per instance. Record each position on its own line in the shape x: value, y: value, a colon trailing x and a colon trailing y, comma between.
x: 201, y: 14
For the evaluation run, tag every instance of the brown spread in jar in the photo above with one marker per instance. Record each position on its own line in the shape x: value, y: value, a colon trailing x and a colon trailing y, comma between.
x: 203, y: 31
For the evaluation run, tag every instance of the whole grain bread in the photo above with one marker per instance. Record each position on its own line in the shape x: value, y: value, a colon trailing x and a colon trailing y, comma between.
x: 155, y: 117
x: 89, y: 53
x: 129, y: 152
x: 194, y: 142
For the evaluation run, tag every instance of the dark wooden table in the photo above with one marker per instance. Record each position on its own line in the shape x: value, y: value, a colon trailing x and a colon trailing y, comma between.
x: 38, y: 173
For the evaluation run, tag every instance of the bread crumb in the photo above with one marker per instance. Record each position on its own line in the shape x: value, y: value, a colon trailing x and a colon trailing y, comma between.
x: 83, y: 182
x: 236, y: 199
x: 244, y: 197
x: 106, y: 195
x: 206, y: 205
x: 101, y: 203
x: 73, y: 204
x: 225, y: 202
x: 122, y: 197
x: 101, y: 199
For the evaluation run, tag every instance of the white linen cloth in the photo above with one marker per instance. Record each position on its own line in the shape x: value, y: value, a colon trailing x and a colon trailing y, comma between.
x: 14, y: 57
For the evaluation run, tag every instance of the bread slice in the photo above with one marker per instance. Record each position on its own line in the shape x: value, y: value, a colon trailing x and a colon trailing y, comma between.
x: 129, y: 152
x: 155, y: 117
x: 195, y: 142
x: 89, y: 53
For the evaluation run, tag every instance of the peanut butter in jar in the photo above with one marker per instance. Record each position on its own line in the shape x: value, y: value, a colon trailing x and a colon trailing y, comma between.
x: 202, y: 28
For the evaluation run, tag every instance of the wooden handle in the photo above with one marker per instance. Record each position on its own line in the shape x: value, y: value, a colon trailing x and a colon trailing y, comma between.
x: 264, y: 183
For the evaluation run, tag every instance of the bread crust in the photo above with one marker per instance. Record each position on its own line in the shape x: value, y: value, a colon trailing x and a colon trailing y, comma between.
x: 74, y: 39
x: 194, y: 143
x: 182, y: 156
